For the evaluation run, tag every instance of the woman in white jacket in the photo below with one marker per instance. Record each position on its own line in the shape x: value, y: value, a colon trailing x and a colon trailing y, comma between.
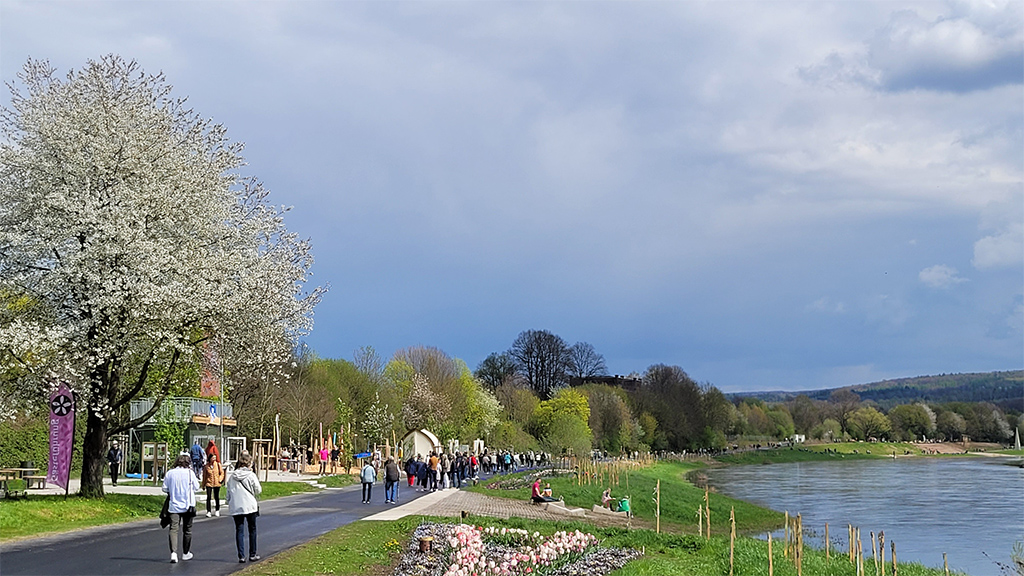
x: 243, y: 488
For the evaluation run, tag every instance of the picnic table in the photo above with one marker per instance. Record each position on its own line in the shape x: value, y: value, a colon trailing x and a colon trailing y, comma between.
x: 27, y: 474
x: 7, y: 474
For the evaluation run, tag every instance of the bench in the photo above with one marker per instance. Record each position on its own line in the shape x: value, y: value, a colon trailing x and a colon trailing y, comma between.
x: 29, y: 480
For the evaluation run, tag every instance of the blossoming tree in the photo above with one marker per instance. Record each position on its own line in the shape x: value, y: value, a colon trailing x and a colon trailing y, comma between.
x: 128, y: 239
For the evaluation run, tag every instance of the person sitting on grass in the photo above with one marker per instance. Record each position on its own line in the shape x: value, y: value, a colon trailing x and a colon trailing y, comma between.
x: 536, y: 494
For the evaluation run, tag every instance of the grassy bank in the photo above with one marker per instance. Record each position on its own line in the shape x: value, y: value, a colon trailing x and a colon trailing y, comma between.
x: 372, y: 548
x: 45, y: 514
x: 338, y: 481
x: 679, y: 498
x: 37, y: 515
x: 823, y: 452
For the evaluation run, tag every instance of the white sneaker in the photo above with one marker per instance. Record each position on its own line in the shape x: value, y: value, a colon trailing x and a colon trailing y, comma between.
x: 208, y: 514
x: 217, y: 513
x: 187, y: 556
x: 174, y: 558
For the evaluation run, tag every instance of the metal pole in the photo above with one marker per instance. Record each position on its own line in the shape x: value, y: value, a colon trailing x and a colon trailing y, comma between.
x: 220, y: 409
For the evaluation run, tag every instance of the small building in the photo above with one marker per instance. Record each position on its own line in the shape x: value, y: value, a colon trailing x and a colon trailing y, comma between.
x: 421, y: 442
x: 204, y: 419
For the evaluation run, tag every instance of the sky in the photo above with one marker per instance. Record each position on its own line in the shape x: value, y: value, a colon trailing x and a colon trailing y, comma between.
x: 770, y: 195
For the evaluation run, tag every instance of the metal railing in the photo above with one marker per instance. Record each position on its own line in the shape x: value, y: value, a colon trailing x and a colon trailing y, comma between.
x: 179, y: 409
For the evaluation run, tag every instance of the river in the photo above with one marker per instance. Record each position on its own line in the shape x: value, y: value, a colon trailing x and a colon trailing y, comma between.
x: 970, y: 508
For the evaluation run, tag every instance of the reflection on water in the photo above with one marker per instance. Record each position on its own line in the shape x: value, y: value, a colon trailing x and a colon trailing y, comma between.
x: 970, y: 508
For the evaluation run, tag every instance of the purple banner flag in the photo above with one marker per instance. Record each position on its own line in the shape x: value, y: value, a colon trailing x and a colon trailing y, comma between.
x: 62, y: 435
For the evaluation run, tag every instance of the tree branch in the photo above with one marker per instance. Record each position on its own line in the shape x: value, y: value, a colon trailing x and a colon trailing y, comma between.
x: 139, y: 382
x: 164, y: 391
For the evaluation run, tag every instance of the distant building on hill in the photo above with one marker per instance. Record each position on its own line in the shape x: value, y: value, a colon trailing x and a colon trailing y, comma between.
x: 625, y: 382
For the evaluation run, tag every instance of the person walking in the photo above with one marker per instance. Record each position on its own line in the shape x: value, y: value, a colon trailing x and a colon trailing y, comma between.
x: 410, y: 470
x: 198, y: 457
x: 325, y: 454
x: 213, y: 479
x: 432, y: 473
x: 181, y: 484
x: 211, y: 449
x: 243, y: 489
x: 391, y: 477
x: 367, y: 476
x: 114, y: 457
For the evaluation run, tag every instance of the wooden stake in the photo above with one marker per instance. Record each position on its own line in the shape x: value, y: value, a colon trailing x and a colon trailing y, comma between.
x: 771, y: 567
x: 881, y: 550
x: 732, y: 536
x: 700, y: 520
x: 785, y: 534
x: 707, y: 512
x: 657, y: 512
x: 874, y: 552
x: 826, y: 542
x: 945, y: 563
x: 849, y: 535
x: 894, y: 567
x: 860, y: 555
x: 799, y: 545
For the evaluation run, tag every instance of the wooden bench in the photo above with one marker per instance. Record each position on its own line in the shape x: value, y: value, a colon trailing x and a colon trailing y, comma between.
x: 40, y: 480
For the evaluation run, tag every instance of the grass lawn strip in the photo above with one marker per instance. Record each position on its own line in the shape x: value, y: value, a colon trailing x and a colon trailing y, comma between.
x: 51, y: 514
x: 373, y: 548
x: 679, y: 498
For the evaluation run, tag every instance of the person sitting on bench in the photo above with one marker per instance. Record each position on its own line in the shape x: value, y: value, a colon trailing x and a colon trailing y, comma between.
x: 536, y: 494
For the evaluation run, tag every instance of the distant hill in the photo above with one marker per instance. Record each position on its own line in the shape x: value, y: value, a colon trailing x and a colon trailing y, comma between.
x: 1004, y: 389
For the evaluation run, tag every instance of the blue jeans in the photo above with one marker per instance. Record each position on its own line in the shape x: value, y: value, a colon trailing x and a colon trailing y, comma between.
x: 390, y: 488
x: 249, y: 519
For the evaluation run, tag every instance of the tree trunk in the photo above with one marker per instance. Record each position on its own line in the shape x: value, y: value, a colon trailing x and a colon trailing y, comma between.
x: 94, y: 456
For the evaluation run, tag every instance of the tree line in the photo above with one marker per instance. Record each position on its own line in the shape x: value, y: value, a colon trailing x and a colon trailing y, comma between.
x: 521, y: 398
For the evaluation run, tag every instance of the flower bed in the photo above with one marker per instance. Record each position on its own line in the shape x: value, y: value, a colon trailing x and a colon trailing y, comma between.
x: 526, y: 480
x: 464, y: 550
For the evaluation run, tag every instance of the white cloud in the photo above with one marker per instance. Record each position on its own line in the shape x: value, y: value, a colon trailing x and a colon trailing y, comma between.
x: 998, y: 250
x: 964, y: 48
x: 940, y: 276
x: 827, y: 306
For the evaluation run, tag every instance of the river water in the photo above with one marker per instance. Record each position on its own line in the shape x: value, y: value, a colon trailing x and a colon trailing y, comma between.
x: 970, y: 508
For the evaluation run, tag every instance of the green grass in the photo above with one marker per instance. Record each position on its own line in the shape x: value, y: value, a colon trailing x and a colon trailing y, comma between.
x: 278, y: 489
x: 822, y: 452
x: 46, y: 514
x: 679, y: 498
x: 339, y: 480
x: 1009, y: 452
x: 43, y: 514
x: 372, y: 548
x: 365, y: 548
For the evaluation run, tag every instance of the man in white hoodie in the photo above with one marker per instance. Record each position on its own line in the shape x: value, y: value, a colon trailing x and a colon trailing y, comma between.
x: 243, y: 488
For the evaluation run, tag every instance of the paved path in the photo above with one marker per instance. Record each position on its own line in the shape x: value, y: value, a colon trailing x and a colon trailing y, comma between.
x: 141, y: 547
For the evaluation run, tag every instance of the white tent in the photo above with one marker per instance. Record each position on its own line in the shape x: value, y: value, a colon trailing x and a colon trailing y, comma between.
x: 420, y: 442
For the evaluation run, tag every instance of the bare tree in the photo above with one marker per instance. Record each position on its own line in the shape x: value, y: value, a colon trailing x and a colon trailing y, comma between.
x: 844, y: 401
x: 585, y: 362
x: 496, y: 369
x: 543, y: 358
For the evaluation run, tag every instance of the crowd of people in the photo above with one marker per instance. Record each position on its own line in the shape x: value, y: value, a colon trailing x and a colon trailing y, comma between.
x: 198, y: 469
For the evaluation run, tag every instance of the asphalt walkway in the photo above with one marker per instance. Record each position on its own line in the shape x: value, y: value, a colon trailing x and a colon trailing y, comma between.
x: 141, y: 547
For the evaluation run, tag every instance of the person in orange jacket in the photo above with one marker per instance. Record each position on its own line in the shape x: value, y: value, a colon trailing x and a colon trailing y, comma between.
x: 213, y: 479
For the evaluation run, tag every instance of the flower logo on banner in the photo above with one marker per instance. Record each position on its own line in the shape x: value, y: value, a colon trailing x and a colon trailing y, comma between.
x: 61, y: 405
